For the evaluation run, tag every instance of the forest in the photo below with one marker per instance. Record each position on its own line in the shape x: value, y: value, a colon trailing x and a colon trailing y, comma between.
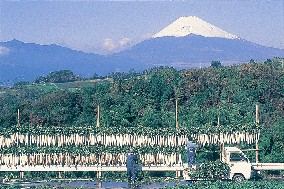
x: 62, y: 102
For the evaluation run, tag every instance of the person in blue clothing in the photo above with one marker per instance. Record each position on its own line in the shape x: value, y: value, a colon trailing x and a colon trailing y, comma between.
x: 190, y: 146
x: 130, y: 166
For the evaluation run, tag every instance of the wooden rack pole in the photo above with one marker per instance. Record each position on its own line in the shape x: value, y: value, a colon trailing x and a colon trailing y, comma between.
x: 256, y: 142
x: 18, y: 117
x: 256, y: 114
x: 21, y: 174
x: 176, y: 113
x: 98, y: 117
x: 177, y: 172
x: 59, y: 175
x: 221, y: 145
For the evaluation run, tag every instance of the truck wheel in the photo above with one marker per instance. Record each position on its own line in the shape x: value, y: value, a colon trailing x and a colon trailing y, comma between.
x: 238, y: 178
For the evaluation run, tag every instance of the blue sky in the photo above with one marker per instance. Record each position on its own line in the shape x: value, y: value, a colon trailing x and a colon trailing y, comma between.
x: 107, y: 26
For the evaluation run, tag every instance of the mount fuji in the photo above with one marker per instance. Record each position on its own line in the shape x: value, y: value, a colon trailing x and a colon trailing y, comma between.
x: 188, y: 42
x: 193, y: 25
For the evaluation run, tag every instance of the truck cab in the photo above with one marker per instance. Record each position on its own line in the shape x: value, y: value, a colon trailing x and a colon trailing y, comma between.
x: 240, y: 166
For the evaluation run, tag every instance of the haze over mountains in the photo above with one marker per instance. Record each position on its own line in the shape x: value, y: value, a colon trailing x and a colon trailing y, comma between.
x: 189, y: 42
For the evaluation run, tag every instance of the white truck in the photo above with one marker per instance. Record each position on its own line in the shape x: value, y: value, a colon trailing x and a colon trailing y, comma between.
x: 240, y: 166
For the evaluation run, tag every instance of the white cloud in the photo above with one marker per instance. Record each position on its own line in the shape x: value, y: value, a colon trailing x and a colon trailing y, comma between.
x: 124, y: 42
x: 4, y: 50
x: 108, y: 45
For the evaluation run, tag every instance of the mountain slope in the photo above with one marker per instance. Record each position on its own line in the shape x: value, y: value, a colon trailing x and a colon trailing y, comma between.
x: 193, y: 25
x: 26, y: 61
x: 193, y: 50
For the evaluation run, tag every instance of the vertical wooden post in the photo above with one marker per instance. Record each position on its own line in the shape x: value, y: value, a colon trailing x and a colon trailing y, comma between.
x: 177, y: 172
x: 99, y: 174
x: 18, y: 117
x: 220, y: 142
x: 100, y: 184
x: 21, y: 174
x: 256, y: 142
x: 98, y: 117
x: 176, y: 113
x: 256, y: 114
x: 59, y: 175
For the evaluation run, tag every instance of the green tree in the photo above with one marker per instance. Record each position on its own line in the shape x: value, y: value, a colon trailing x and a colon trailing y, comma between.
x: 216, y: 64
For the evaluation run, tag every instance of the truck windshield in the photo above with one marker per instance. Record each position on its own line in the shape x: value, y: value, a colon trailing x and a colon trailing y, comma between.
x: 238, y: 157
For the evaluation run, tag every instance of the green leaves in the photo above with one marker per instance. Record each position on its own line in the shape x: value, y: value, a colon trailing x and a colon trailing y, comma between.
x: 231, y: 185
x: 213, y: 170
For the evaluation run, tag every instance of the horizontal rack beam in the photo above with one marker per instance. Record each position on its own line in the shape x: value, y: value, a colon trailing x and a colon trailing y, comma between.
x: 268, y: 166
x: 88, y: 168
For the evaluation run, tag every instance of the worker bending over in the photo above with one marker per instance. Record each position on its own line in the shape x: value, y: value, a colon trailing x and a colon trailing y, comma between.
x: 190, y: 146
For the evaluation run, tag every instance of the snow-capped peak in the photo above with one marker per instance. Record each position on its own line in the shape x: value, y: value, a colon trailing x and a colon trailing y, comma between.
x: 193, y: 25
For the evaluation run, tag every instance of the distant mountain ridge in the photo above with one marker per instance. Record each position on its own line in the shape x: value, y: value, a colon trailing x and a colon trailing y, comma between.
x: 27, y: 61
x: 192, y: 51
x: 186, y: 43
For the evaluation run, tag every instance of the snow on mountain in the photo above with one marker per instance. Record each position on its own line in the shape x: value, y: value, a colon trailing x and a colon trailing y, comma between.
x: 193, y: 25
